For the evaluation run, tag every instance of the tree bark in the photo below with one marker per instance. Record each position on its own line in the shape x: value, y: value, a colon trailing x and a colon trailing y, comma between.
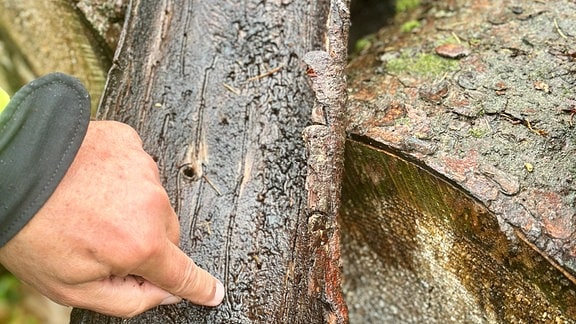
x: 218, y: 91
x: 459, y: 182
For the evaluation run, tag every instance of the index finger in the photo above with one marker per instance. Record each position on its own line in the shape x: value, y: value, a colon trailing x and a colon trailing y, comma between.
x: 172, y: 270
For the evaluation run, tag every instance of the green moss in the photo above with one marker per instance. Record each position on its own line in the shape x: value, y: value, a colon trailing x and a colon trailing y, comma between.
x: 362, y: 44
x: 422, y: 64
x: 402, y: 121
x: 410, y: 26
x: 477, y: 132
x: 448, y: 40
x: 406, y: 5
x: 474, y: 41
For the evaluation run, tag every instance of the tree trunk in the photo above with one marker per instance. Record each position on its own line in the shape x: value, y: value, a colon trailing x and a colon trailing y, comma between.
x: 218, y: 91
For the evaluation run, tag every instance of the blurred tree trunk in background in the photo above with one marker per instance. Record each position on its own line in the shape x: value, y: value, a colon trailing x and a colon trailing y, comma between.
x: 75, y: 37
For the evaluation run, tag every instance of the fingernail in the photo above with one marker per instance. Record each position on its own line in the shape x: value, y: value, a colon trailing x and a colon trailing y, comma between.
x: 219, y: 295
x: 171, y: 300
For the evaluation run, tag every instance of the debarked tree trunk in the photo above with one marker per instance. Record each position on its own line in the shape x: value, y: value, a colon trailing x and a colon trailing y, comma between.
x: 218, y: 91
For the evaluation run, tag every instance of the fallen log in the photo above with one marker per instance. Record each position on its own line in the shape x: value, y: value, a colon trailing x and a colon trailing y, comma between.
x: 459, y: 180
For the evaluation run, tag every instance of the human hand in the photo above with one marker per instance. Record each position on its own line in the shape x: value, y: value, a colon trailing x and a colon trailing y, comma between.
x: 107, y: 239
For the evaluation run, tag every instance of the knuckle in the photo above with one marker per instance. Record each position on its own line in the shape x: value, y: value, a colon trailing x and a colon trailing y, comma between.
x: 127, y: 132
x: 131, y: 252
x: 155, y: 201
x: 145, y: 237
x: 142, y: 250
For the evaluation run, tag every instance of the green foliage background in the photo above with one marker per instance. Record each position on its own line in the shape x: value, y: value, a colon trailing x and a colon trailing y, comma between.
x: 11, y: 309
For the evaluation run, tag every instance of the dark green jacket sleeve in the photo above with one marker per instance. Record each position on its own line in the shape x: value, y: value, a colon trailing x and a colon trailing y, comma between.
x: 41, y: 130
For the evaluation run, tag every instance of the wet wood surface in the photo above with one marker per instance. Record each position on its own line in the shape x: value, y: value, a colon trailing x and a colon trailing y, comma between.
x: 220, y: 95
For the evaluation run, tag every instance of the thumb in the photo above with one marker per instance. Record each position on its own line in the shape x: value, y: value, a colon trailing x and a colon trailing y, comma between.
x: 173, y: 271
x: 122, y: 296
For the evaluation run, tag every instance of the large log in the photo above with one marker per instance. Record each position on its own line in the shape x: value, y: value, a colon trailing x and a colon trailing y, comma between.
x: 219, y: 93
x: 459, y: 190
x: 435, y: 253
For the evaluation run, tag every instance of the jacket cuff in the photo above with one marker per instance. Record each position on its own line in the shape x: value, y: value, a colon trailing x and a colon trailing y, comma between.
x: 41, y: 130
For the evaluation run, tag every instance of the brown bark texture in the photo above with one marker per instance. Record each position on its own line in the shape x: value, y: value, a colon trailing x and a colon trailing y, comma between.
x: 219, y: 93
x: 459, y: 190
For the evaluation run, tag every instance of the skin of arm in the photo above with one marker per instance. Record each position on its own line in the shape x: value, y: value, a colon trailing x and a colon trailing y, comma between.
x: 107, y: 238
